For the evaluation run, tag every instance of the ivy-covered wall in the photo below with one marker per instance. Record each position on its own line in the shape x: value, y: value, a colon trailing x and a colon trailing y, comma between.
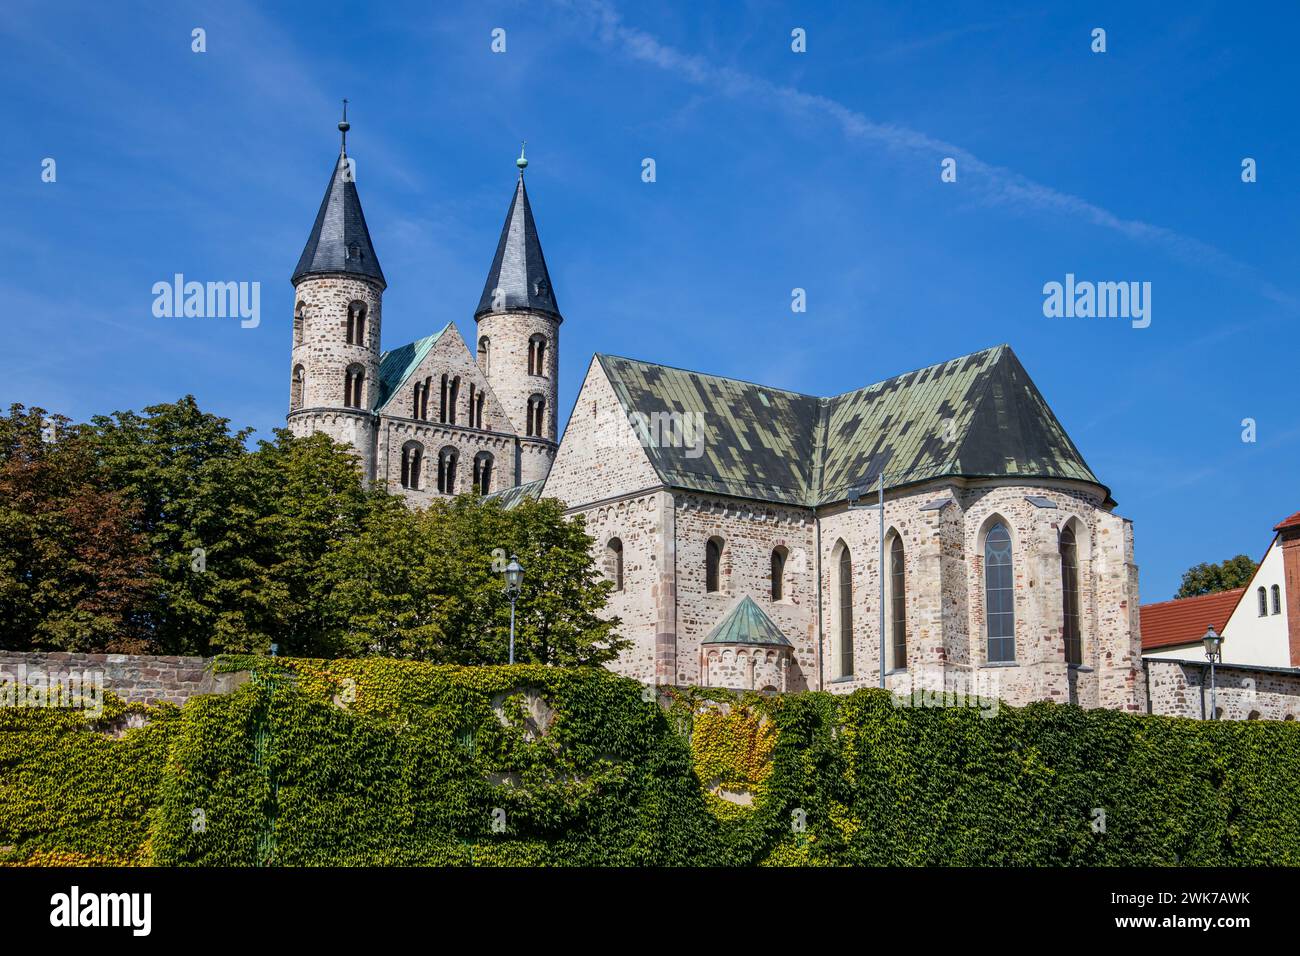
x: 382, y: 762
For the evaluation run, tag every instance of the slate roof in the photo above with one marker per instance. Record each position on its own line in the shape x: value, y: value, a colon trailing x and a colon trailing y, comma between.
x: 773, y: 445
x: 396, y: 365
x: 509, y: 497
x: 747, y: 624
x: 1171, y: 623
x: 519, y: 268
x: 339, y: 231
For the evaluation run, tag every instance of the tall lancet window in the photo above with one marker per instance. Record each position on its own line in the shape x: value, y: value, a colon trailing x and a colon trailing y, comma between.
x: 897, y: 605
x: 844, y: 582
x: 1070, y: 629
x: 999, y: 595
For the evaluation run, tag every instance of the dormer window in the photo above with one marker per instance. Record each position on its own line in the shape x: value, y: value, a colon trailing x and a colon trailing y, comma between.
x: 354, y: 252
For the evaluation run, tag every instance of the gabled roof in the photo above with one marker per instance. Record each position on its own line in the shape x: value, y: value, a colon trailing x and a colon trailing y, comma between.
x: 509, y: 497
x: 339, y: 240
x: 397, y: 365
x: 1288, y: 523
x: 1183, y: 621
x: 747, y: 624
x: 974, y: 416
x: 518, y: 268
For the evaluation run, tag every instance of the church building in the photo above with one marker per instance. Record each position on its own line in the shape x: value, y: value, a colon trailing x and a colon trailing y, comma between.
x: 742, y: 525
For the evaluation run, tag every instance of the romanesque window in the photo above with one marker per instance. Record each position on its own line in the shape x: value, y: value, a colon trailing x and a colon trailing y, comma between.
x: 1277, y: 600
x: 299, y: 316
x: 447, y: 471
x: 452, y: 395
x: 356, y: 323
x: 470, y: 405
x: 412, y: 464
x: 614, y: 562
x: 999, y: 595
x: 298, y: 387
x: 484, y: 347
x: 536, y: 416
x: 353, y: 383
x: 483, y: 472
x: 478, y: 411
x: 897, y: 604
x: 713, y: 565
x: 537, y: 355
x: 1263, y: 602
x: 442, y: 404
x: 844, y: 589
x: 1070, y: 597
x: 415, y: 399
x: 779, y: 556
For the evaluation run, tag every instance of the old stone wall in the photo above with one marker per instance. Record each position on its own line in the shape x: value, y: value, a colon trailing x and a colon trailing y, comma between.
x: 134, y: 678
x: 1182, y: 689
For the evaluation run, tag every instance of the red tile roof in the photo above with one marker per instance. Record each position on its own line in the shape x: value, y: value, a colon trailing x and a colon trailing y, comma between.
x: 1170, y: 623
x: 1291, y: 522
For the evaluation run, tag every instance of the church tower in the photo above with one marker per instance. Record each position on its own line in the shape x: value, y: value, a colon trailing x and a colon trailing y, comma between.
x: 519, y: 335
x: 334, y: 374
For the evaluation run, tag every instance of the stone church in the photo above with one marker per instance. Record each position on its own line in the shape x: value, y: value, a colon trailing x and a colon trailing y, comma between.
x: 739, y: 523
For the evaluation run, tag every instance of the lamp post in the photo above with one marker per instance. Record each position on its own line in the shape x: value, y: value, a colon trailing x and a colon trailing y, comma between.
x: 1214, y: 652
x: 514, y: 578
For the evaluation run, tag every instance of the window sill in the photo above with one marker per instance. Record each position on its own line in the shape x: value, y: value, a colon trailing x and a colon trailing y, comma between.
x: 896, y: 670
x: 843, y: 680
x: 1000, y: 664
x: 1081, y: 668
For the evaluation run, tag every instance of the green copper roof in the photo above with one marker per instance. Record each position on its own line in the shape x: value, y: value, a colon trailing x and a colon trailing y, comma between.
x: 396, y: 365
x: 747, y: 624
x: 509, y: 497
x: 975, y: 416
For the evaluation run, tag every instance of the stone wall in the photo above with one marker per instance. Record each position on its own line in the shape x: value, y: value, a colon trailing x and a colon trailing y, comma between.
x: 134, y: 678
x: 1242, y: 692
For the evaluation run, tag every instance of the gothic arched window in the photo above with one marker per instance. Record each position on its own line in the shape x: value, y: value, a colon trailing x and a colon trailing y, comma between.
x: 483, y: 472
x: 713, y: 564
x: 1263, y: 601
x: 614, y: 562
x: 844, y: 593
x: 298, y: 388
x: 356, y: 323
x: 897, y: 605
x: 1070, y: 629
x: 412, y: 464
x: 447, y: 471
x: 999, y: 595
x: 779, y: 556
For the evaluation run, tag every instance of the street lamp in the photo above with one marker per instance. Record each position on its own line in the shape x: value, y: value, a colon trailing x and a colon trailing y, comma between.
x: 514, y: 578
x: 1214, y: 653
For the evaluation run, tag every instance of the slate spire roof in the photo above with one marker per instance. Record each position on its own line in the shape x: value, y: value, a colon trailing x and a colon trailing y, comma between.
x: 976, y: 416
x: 340, y: 241
x: 519, y: 268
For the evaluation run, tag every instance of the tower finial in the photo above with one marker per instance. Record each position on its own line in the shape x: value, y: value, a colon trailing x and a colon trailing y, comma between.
x: 522, y: 161
x: 344, y: 126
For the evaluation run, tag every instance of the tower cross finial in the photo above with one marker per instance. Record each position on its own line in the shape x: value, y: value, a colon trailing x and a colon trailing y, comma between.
x: 522, y: 162
x: 344, y: 126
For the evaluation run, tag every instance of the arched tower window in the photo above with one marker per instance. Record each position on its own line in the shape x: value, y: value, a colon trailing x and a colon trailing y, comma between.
x: 299, y: 317
x: 713, y: 565
x: 536, y: 417
x: 537, y: 355
x: 447, y: 471
x: 614, y: 562
x: 779, y: 556
x: 844, y: 595
x: 353, y: 384
x: 897, y: 605
x: 1070, y: 631
x: 412, y: 464
x: 356, y: 323
x: 483, y: 472
x: 1277, y: 600
x: 298, y: 387
x: 484, y: 353
x: 1263, y: 601
x: 999, y: 595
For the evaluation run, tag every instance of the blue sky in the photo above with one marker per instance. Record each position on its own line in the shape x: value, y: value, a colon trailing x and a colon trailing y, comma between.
x: 775, y: 170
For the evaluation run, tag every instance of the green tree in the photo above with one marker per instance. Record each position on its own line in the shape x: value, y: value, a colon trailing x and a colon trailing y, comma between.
x: 1208, y: 578
x: 74, y: 570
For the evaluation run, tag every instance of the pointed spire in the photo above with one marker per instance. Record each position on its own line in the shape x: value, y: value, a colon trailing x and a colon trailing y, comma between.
x: 339, y: 241
x: 518, y: 278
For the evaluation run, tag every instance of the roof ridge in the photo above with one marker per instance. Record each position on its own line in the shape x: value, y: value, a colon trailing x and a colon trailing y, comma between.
x: 1196, y: 597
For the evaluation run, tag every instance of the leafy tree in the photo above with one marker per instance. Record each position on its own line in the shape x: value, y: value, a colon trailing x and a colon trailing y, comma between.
x: 73, y: 568
x: 1207, y: 578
